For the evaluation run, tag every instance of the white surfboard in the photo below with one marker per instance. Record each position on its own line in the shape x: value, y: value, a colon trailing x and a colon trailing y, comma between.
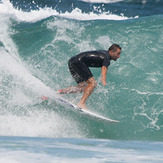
x: 85, y: 112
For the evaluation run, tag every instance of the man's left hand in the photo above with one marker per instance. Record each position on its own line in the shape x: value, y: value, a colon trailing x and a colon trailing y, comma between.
x: 103, y: 82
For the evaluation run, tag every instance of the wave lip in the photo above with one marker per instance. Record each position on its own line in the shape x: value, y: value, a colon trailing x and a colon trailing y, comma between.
x: 6, y: 8
x: 77, y: 14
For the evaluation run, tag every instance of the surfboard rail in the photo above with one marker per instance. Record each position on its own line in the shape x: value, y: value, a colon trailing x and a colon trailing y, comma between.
x: 85, y: 112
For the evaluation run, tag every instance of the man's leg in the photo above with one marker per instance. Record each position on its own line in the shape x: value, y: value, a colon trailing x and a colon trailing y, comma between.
x: 87, y: 92
x: 74, y: 89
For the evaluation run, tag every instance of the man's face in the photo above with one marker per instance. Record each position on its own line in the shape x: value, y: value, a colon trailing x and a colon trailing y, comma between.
x: 115, y: 55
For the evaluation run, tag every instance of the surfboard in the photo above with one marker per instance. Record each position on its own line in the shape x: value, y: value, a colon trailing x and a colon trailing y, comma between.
x: 81, y: 111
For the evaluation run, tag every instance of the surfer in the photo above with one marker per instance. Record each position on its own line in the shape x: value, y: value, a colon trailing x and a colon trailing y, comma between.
x: 79, y: 69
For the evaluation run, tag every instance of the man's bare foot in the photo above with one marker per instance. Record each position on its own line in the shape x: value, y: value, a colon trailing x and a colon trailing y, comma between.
x: 83, y: 106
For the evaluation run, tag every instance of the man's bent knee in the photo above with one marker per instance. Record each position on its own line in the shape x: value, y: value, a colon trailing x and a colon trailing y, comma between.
x: 92, y: 82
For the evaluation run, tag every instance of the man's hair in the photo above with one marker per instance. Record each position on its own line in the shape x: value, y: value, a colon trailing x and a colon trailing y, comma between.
x: 114, y: 47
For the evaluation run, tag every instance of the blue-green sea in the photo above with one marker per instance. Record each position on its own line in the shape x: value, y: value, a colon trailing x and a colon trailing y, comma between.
x: 37, y: 38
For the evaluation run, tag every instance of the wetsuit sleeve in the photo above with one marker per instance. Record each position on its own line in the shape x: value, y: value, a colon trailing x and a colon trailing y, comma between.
x: 106, y: 62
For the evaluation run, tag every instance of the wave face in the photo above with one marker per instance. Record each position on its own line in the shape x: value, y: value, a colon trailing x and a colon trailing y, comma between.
x: 36, y: 41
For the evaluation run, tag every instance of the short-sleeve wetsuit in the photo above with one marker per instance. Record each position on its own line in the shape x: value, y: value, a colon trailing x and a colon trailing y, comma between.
x: 79, y: 64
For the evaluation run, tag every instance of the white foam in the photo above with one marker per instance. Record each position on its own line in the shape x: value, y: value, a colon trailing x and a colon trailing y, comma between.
x: 38, y: 123
x: 44, y: 123
x: 6, y: 8
x: 33, y: 123
x: 147, y: 93
x: 77, y: 14
x: 17, y: 69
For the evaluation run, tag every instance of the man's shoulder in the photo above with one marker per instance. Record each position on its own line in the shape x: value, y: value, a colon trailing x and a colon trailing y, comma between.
x: 97, y: 51
x: 104, y: 53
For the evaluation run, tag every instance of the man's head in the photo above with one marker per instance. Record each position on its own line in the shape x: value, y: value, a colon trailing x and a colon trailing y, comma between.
x: 114, y: 51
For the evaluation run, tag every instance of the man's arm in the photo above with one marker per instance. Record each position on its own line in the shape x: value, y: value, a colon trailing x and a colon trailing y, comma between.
x: 103, y: 73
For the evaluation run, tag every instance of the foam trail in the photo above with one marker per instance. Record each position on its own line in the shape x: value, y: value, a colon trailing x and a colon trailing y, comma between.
x: 147, y: 93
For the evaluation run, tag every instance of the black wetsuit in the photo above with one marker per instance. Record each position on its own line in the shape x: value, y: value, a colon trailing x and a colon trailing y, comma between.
x: 79, y: 64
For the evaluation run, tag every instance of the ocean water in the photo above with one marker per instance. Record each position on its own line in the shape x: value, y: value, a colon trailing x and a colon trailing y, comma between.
x: 37, y: 38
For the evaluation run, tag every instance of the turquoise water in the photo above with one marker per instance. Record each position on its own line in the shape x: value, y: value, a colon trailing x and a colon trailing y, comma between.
x: 36, y: 41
